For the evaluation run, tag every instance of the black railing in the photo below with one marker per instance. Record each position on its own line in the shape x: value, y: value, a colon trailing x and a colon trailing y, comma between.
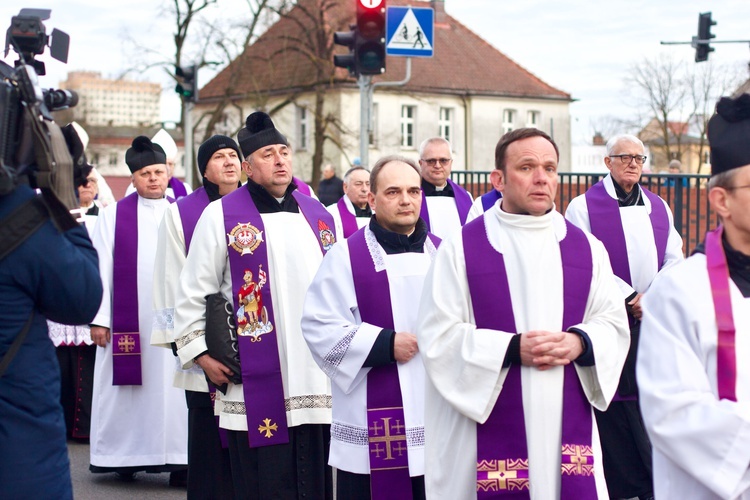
x: 686, y: 195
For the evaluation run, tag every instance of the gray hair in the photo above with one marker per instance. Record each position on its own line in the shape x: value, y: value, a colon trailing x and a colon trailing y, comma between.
x: 723, y: 180
x: 433, y: 140
x: 614, y: 141
x: 349, y: 173
x: 383, y: 162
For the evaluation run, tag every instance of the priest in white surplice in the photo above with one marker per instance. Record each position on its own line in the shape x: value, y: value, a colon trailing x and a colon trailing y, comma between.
x: 219, y: 160
x: 139, y: 421
x: 445, y: 204
x: 693, y: 373
x: 514, y: 371
x: 360, y: 330
x: 637, y: 229
x: 260, y: 247
x: 352, y: 211
x: 176, y: 188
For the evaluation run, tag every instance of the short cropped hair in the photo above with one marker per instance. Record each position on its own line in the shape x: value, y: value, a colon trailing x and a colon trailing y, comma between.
x: 517, y: 135
x: 433, y: 140
x: 623, y: 138
x: 349, y: 172
x: 383, y: 162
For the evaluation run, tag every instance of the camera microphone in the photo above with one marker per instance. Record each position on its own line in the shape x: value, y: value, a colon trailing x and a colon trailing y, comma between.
x: 57, y: 100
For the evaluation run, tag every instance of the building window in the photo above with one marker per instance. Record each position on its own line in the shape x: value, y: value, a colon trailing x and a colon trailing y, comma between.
x: 706, y: 157
x: 303, y: 127
x: 533, y: 119
x: 373, y: 138
x: 509, y: 120
x: 113, y: 159
x: 408, y: 116
x: 445, y: 124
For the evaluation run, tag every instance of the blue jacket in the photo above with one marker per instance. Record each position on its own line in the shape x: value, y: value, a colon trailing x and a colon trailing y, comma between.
x: 54, y: 276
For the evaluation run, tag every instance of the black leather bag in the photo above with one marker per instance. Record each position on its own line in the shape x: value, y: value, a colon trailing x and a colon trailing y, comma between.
x: 221, y: 336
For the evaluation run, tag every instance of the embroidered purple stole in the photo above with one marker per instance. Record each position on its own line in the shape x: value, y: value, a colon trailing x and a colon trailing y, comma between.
x: 348, y: 220
x: 489, y: 199
x: 251, y: 292
x: 126, y: 338
x: 718, y: 276
x: 178, y: 188
x: 502, y: 454
x: 191, y: 207
x: 606, y: 225
x: 302, y: 186
x: 463, y: 204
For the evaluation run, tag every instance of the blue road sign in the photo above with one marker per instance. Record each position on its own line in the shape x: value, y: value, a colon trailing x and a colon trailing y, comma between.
x: 409, y: 31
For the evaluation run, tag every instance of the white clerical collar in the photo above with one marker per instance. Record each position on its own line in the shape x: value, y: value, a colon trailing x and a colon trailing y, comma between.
x: 523, y: 221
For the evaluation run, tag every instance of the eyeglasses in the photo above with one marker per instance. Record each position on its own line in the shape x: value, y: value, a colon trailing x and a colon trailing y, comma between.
x: 732, y: 188
x: 443, y: 161
x: 626, y: 159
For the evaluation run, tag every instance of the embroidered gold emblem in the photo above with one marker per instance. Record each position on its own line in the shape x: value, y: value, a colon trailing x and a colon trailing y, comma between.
x: 498, y: 475
x: 392, y: 437
x: 245, y: 238
x: 126, y: 343
x: 267, y: 427
x: 577, y: 460
x: 252, y: 315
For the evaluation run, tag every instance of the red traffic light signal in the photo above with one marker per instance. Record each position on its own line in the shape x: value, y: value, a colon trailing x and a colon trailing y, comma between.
x: 369, y: 49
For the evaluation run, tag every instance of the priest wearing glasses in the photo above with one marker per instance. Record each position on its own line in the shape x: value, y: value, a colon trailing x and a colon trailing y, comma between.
x: 445, y: 204
x: 637, y: 229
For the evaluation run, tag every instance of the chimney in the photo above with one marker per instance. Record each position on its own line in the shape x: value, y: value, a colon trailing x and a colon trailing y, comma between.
x: 439, y: 7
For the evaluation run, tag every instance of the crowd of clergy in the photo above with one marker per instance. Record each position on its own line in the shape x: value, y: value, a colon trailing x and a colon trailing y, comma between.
x: 408, y: 341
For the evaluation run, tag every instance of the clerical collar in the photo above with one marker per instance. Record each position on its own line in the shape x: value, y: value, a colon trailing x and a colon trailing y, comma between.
x: 362, y: 212
x: 395, y: 243
x: 212, y: 190
x: 266, y: 203
x: 630, y: 199
x: 430, y: 190
x: 738, y: 263
x: 93, y: 209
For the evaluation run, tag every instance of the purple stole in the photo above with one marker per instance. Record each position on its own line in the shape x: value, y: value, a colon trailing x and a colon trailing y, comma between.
x: 502, y: 454
x: 191, y: 207
x: 489, y: 199
x: 718, y: 276
x: 302, y: 186
x: 463, y: 204
x: 348, y: 220
x: 606, y: 225
x: 178, y: 188
x: 389, y: 460
x: 256, y: 335
x: 126, y: 338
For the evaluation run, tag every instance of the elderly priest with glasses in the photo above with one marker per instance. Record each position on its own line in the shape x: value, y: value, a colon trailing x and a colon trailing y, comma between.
x: 637, y: 229
x: 445, y: 204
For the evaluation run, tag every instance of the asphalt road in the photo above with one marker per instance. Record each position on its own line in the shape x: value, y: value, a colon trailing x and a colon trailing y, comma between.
x: 88, y: 486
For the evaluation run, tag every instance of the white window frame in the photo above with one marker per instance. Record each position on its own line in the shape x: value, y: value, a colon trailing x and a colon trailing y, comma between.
x: 374, y: 123
x: 408, y: 126
x: 303, y: 128
x: 445, y: 124
x: 509, y: 120
x: 533, y: 118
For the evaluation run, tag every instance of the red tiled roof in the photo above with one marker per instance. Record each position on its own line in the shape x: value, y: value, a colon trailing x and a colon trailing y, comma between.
x: 464, y: 63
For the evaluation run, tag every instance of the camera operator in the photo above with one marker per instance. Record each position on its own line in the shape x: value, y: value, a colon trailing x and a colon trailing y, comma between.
x: 48, y: 270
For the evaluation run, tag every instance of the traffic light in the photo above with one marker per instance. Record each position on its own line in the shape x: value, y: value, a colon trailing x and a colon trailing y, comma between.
x: 188, y: 82
x: 369, y: 47
x: 704, y: 33
x: 347, y: 39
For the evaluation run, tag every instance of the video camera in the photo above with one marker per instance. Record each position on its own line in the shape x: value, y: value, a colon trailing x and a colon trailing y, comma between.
x: 31, y: 144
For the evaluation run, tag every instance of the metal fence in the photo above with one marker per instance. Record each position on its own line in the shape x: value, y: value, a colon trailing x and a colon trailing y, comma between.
x: 686, y: 195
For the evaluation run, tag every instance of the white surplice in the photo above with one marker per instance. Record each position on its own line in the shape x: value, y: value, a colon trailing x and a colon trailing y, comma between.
x: 701, y: 444
x: 464, y: 363
x: 444, y: 219
x: 146, y: 424
x: 171, y: 255
x: 639, y: 238
x: 340, y: 342
x: 334, y: 211
x: 293, y: 258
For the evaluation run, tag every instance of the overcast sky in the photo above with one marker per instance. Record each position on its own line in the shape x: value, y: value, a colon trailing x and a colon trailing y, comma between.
x: 580, y: 46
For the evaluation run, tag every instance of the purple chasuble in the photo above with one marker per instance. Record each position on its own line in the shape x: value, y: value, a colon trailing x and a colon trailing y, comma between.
x: 502, y: 454
x: 348, y: 220
x: 178, y: 188
x: 191, y: 207
x: 606, y: 225
x: 489, y: 199
x: 302, y: 186
x: 463, y: 204
x: 251, y: 294
x: 718, y: 276
x: 389, y: 460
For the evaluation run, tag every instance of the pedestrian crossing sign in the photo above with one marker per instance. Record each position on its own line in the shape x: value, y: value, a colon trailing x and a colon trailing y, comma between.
x: 409, y: 31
